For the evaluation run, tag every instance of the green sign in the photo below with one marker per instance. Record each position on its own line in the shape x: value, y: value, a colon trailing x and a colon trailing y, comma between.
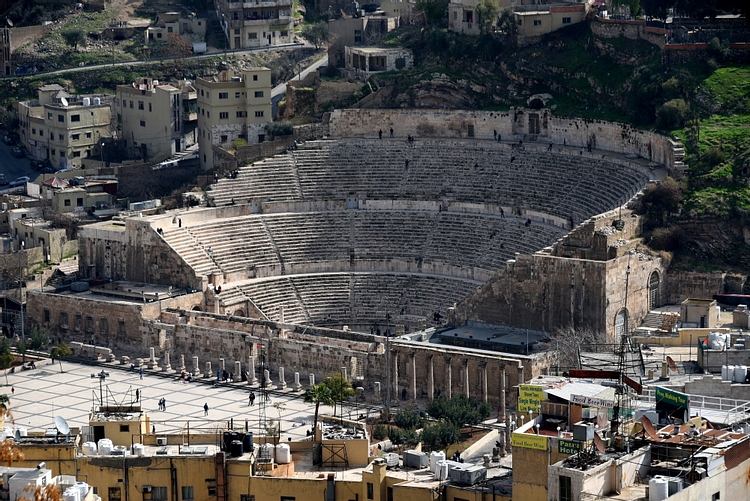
x: 671, y: 399
x: 568, y: 446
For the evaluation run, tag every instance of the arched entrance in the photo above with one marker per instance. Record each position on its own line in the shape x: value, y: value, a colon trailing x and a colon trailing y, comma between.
x: 239, y: 313
x: 621, y: 324
x: 654, y: 301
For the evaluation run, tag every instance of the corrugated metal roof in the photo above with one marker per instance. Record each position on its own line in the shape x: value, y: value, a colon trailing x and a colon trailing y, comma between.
x: 585, y: 389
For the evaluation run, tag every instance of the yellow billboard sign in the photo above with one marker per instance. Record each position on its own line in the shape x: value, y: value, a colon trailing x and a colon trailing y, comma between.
x: 530, y: 396
x: 538, y: 442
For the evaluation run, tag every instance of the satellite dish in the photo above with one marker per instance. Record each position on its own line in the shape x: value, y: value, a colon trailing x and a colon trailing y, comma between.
x: 10, y: 23
x: 64, y: 101
x: 648, y: 427
x: 17, y: 435
x: 62, y: 425
x: 671, y: 364
x: 598, y: 443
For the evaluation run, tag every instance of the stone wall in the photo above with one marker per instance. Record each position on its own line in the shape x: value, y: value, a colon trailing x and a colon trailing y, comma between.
x: 633, y: 30
x: 609, y: 136
x: 681, y: 285
x: 27, y: 34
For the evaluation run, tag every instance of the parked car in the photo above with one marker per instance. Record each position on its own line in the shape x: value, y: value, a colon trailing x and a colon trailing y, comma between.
x: 3, y: 180
x: 7, y: 139
x: 21, y: 181
x: 48, y: 170
x: 16, y: 151
x: 37, y: 164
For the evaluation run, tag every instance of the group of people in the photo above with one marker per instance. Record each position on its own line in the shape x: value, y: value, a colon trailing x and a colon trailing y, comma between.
x: 162, y: 404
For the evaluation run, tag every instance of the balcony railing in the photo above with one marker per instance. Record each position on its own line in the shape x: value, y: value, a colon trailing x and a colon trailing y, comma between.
x: 268, y: 20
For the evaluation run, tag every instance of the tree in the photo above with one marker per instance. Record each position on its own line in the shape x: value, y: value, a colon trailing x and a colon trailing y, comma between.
x: 566, y: 342
x: 318, y: 394
x: 60, y: 351
x: 487, y: 11
x: 38, y: 338
x: 433, y: 11
x: 177, y: 47
x: 73, y: 37
x: 672, y: 114
x: 49, y: 492
x: 440, y: 435
x: 408, y: 419
x: 506, y: 25
x: 340, y: 388
x: 6, y: 357
x: 316, y: 33
x: 459, y: 411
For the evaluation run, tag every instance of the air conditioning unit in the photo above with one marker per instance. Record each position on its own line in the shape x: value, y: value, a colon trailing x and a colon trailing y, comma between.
x: 146, y: 489
x: 161, y: 441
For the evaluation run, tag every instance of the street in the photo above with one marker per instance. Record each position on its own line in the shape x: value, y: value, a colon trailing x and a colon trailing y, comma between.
x: 14, y: 167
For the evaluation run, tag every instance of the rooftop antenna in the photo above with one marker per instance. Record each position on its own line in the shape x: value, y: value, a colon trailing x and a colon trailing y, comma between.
x: 62, y: 428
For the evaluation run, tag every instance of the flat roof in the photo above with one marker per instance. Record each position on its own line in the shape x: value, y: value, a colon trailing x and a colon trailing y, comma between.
x: 496, y: 337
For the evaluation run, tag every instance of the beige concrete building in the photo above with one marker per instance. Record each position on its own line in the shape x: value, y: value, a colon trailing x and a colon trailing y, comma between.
x: 79, y: 195
x: 536, y: 20
x: 151, y: 115
x: 63, y: 128
x: 232, y: 107
x: 365, y: 61
x: 256, y: 24
x: 190, y: 28
x: 5, y: 50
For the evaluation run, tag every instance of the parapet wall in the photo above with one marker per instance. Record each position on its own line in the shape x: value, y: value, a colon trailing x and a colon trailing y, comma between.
x: 630, y: 29
x: 602, y: 135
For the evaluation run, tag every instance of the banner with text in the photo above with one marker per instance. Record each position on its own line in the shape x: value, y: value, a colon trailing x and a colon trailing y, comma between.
x: 538, y: 442
x: 568, y: 446
x: 591, y: 401
x: 674, y: 403
x: 529, y: 397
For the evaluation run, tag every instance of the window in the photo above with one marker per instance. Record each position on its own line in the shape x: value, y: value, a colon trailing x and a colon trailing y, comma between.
x: 537, y: 22
x: 88, y: 135
x: 201, y: 92
x: 247, y: 497
x: 236, y: 95
x: 158, y: 35
x: 54, y: 152
x: 211, y: 490
x: 716, y: 496
x: 60, y: 118
x: 159, y: 493
x: 258, y: 114
x: 76, y: 154
x: 124, y: 428
x: 41, y: 132
x: 284, y: 33
x: 104, y: 325
x: 149, y: 107
x: 121, y: 326
x: 63, y: 319
x: 223, y: 95
x: 236, y: 32
x: 224, y: 139
x: 49, y: 116
x: 33, y: 131
x: 224, y: 115
x: 143, y: 123
x: 79, y: 203
x: 131, y: 104
x: 187, y: 493
x: 370, y: 492
x: 258, y: 93
x: 389, y: 493
x: 79, y: 322
x: 75, y: 137
x: 566, y: 20
x: 140, y: 105
x: 255, y: 78
x: 89, y: 324
x: 75, y: 118
x: 241, y: 114
x: 46, y: 316
x: 288, y: 498
x: 115, y: 494
x: 67, y: 203
x: 60, y: 137
x: 357, y: 36
x: 566, y: 491
x: 208, y: 114
x: 252, y: 36
x: 169, y: 29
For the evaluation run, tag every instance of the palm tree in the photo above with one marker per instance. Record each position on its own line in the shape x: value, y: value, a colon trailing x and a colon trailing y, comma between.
x: 318, y: 394
x: 8, y: 453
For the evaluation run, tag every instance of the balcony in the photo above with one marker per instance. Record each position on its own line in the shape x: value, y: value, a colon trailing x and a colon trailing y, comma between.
x: 257, y: 4
x: 269, y: 20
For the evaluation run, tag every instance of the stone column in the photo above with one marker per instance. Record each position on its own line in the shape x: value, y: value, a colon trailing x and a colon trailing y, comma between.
x: 182, y: 362
x: 377, y: 390
x: 151, y: 358
x: 430, y: 379
x: 394, y: 383
x: 466, y: 378
x: 343, y: 373
x: 167, y: 366
x: 297, y: 386
x: 520, y: 375
x: 501, y: 417
x: 282, y: 382
x: 508, y: 434
x: 449, y: 379
x: 484, y: 381
x: 222, y: 365
x: 251, y: 379
x: 209, y: 373
x: 196, y: 366
x: 267, y: 378
x: 312, y: 380
x: 413, y: 362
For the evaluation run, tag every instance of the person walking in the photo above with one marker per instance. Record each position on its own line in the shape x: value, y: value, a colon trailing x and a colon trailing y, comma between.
x: 380, y: 133
x: 391, y: 131
x: 137, y: 395
x: 164, y: 404
x: 140, y: 372
x: 205, y: 409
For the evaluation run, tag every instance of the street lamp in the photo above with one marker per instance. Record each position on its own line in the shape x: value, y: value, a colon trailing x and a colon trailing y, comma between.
x: 20, y: 298
x: 101, y: 152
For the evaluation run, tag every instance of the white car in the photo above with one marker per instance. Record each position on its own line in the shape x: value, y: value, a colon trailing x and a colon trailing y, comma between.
x: 21, y: 181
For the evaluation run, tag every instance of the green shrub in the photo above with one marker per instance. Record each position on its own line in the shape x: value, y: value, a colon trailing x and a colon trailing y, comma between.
x: 408, y: 419
x: 282, y: 128
x: 672, y: 114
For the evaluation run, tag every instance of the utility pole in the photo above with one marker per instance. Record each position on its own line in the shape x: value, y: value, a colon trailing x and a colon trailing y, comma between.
x: 388, y: 366
x: 20, y: 299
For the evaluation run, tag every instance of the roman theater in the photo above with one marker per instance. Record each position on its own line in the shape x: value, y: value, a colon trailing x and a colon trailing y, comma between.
x: 467, y: 250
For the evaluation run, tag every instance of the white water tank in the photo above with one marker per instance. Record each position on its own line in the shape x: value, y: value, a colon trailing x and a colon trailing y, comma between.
x: 89, y: 448
x: 283, y: 454
x: 724, y: 373
x: 71, y: 494
x: 441, y: 470
x: 730, y: 373
x: 105, y: 447
x: 436, y: 456
x: 97, y: 101
x: 740, y: 373
x: 139, y: 450
x: 23, y: 432
x: 86, y: 101
x: 83, y: 488
x: 658, y: 489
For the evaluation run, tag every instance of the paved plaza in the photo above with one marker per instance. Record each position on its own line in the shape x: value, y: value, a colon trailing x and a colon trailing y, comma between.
x: 45, y: 392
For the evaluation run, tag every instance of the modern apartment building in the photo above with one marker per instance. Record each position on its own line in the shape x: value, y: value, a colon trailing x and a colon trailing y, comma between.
x: 230, y: 107
x: 151, y: 114
x: 63, y: 128
x: 256, y: 23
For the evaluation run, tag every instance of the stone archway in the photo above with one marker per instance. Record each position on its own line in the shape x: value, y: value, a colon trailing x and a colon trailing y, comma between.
x: 621, y: 324
x: 239, y: 313
x: 196, y: 308
x: 654, y: 283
